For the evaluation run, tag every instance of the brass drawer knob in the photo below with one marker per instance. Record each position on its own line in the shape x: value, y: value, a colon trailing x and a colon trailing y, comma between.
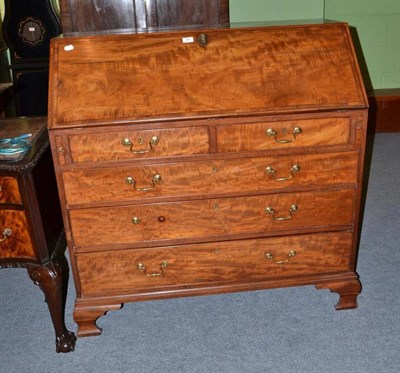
x: 271, y: 171
x: 141, y: 267
x: 152, y: 142
x: 7, y: 232
x: 155, y: 180
x: 270, y: 211
x: 136, y: 220
x: 296, y: 131
x: 270, y: 256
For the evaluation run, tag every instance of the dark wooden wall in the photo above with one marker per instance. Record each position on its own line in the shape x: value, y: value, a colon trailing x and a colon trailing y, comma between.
x: 384, y: 110
x: 93, y: 15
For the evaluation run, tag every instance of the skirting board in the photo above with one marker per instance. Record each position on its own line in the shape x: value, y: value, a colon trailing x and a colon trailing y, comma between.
x: 384, y: 111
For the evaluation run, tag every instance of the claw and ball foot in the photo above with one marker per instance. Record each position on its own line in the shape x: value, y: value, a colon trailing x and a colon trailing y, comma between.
x: 52, y: 278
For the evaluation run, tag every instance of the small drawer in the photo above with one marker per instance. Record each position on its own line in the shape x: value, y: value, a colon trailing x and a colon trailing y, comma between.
x: 234, y: 261
x: 113, y: 146
x: 120, y: 184
x: 283, y: 134
x: 209, y: 218
x: 9, y: 191
x: 15, y: 241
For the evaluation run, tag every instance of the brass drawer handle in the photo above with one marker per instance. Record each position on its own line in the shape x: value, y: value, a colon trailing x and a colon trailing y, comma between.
x: 272, y: 212
x: 270, y: 256
x: 156, y: 179
x: 153, y: 141
x: 270, y: 170
x: 295, y: 132
x: 7, y: 232
x: 143, y: 268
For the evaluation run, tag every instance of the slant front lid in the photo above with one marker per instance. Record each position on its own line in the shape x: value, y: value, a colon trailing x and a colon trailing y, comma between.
x: 196, y: 73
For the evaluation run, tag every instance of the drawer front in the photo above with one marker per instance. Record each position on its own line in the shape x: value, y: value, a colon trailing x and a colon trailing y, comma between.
x: 283, y: 134
x: 235, y: 261
x: 9, y: 191
x: 113, y: 146
x: 190, y: 178
x: 208, y: 218
x: 15, y: 241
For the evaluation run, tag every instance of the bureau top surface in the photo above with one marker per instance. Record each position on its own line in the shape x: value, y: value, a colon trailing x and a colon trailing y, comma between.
x: 199, y: 73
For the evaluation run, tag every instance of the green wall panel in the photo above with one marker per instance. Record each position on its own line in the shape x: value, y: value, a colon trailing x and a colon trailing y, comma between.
x: 271, y: 10
x: 377, y: 25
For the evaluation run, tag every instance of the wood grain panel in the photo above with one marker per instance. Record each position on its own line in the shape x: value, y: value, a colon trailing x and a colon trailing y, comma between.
x: 234, y: 261
x: 210, y: 177
x: 314, y: 132
x: 188, y: 12
x: 9, y: 190
x: 18, y: 244
x: 157, y: 75
x: 108, y: 146
x: 91, y: 15
x: 384, y: 112
x: 209, y: 218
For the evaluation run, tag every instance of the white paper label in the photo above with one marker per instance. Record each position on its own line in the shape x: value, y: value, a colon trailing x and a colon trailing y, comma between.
x: 188, y: 39
x: 68, y: 47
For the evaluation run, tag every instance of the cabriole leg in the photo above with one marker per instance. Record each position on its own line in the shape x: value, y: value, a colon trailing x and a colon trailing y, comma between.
x: 52, y: 278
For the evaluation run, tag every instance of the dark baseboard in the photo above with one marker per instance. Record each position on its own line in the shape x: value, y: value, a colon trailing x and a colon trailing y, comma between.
x: 384, y: 111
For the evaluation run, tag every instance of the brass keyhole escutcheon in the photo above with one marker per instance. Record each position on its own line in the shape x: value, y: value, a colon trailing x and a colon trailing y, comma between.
x: 202, y: 40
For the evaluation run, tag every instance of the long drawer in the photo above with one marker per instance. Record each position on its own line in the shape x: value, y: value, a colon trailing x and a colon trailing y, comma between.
x: 211, y: 177
x: 15, y: 240
x: 209, y: 218
x: 233, y: 261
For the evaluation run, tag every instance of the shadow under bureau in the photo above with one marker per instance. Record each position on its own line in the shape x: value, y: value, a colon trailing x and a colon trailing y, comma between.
x: 204, y: 161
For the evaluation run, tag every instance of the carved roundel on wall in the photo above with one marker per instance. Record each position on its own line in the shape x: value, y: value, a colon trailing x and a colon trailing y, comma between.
x: 31, y: 31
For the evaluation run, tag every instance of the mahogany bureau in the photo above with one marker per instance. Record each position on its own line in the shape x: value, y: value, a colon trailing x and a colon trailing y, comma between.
x: 208, y: 160
x: 31, y: 228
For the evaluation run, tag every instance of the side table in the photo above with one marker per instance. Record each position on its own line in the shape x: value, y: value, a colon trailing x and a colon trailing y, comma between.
x: 31, y: 228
